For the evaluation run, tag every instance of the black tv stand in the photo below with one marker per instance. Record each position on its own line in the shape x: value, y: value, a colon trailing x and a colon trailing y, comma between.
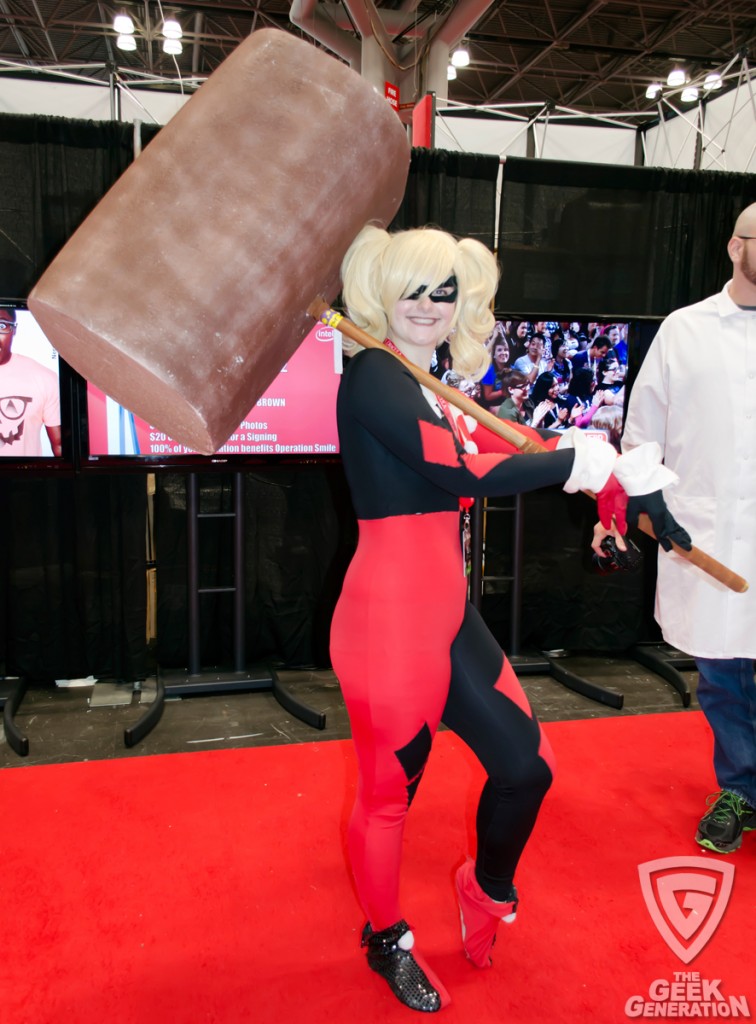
x: 12, y: 690
x: 194, y: 681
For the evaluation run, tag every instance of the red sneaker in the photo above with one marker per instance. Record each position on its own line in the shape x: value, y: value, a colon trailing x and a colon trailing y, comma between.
x: 480, y: 915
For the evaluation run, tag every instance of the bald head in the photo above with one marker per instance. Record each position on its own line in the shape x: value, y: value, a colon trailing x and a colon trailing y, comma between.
x: 745, y: 225
x: 742, y: 251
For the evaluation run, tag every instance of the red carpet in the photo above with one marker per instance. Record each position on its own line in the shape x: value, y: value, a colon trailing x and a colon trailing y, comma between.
x: 211, y: 887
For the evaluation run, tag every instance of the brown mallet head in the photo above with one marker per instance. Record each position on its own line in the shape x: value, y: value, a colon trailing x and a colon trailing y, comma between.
x: 186, y: 289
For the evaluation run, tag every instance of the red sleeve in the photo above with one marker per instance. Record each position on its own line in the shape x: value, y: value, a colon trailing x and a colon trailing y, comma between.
x: 490, y: 443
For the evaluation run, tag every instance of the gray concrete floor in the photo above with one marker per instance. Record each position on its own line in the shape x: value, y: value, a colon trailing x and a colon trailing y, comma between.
x: 87, y: 722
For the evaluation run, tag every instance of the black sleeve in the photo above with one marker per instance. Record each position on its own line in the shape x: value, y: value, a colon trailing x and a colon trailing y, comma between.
x: 384, y: 398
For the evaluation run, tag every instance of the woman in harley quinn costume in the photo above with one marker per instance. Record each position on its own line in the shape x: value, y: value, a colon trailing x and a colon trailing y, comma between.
x: 407, y: 647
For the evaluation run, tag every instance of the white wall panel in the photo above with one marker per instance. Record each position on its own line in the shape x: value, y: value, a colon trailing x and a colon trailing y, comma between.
x: 90, y: 102
x: 673, y: 144
x: 730, y: 132
x: 479, y: 135
x: 58, y: 99
x: 599, y: 145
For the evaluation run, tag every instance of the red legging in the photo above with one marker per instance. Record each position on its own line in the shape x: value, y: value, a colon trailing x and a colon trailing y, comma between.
x: 409, y: 651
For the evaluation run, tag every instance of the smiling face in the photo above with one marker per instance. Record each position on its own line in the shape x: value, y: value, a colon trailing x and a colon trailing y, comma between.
x: 535, y: 349
x: 518, y: 392
x: 7, y: 331
x: 501, y: 354
x: 419, y: 325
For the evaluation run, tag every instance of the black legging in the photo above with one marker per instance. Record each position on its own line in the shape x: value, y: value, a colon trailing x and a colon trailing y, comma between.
x: 507, y: 739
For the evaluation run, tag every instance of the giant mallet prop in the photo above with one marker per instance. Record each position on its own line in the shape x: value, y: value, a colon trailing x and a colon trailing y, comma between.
x: 320, y: 310
x: 185, y: 290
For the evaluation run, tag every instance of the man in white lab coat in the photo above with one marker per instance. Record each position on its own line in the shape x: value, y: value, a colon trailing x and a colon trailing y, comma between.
x: 696, y: 395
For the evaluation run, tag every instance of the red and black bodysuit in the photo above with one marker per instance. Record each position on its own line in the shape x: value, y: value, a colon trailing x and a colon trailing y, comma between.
x: 408, y: 648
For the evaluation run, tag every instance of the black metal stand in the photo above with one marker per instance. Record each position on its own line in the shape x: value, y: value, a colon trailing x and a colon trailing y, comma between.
x: 12, y: 690
x: 665, y: 661
x: 659, y: 658
x: 195, y: 682
x: 539, y: 663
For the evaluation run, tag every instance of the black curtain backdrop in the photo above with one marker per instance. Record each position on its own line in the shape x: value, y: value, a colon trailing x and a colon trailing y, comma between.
x: 299, y: 536
x: 72, y: 578
x: 72, y: 568
x: 575, y: 238
x: 453, y: 191
x: 53, y: 171
x: 608, y: 240
x: 566, y: 602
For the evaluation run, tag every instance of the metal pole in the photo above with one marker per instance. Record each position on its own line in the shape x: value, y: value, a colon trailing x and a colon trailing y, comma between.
x: 192, y: 539
x: 476, y: 554
x: 239, y: 651
x: 517, y: 558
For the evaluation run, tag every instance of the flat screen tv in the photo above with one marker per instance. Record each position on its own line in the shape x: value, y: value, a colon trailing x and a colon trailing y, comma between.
x: 294, y: 420
x: 555, y: 371
x: 35, y: 397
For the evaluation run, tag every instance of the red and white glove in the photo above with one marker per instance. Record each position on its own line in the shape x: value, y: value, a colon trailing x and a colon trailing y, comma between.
x: 639, y: 471
x: 612, y: 505
x: 594, y: 461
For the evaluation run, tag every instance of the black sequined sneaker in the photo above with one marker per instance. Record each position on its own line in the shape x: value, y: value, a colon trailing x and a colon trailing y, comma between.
x: 390, y: 953
x: 721, y: 828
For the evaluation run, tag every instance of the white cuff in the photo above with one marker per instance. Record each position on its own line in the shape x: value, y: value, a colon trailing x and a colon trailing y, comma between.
x: 640, y: 471
x: 595, y: 460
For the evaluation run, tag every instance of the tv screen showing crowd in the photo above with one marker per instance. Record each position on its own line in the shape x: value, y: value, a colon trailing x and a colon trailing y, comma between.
x: 544, y: 373
x: 551, y: 374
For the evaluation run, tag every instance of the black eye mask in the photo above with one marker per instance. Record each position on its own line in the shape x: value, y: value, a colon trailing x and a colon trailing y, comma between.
x: 446, y: 292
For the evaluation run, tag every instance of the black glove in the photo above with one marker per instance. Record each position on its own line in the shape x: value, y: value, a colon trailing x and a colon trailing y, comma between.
x: 666, y: 528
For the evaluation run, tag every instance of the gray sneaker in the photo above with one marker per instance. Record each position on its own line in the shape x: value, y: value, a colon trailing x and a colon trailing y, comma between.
x: 721, y: 828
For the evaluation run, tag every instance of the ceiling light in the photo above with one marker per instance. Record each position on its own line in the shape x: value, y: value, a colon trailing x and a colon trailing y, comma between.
x: 451, y: 73
x: 676, y: 77
x: 125, y: 42
x: 653, y: 91
x: 123, y: 24
x: 172, y: 46
x: 689, y: 95
x: 171, y: 28
x: 461, y: 56
x: 712, y: 81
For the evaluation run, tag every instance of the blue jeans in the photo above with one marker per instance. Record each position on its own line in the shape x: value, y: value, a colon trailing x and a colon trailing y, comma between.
x: 727, y: 695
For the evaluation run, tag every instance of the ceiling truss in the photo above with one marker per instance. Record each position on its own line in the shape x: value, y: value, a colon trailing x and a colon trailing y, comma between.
x: 590, y: 56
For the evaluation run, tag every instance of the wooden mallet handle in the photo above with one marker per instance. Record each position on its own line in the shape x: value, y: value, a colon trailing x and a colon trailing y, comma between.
x: 320, y: 310
x: 699, y: 558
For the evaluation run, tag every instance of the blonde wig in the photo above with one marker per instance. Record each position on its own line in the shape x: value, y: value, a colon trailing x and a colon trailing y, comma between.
x: 380, y: 268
